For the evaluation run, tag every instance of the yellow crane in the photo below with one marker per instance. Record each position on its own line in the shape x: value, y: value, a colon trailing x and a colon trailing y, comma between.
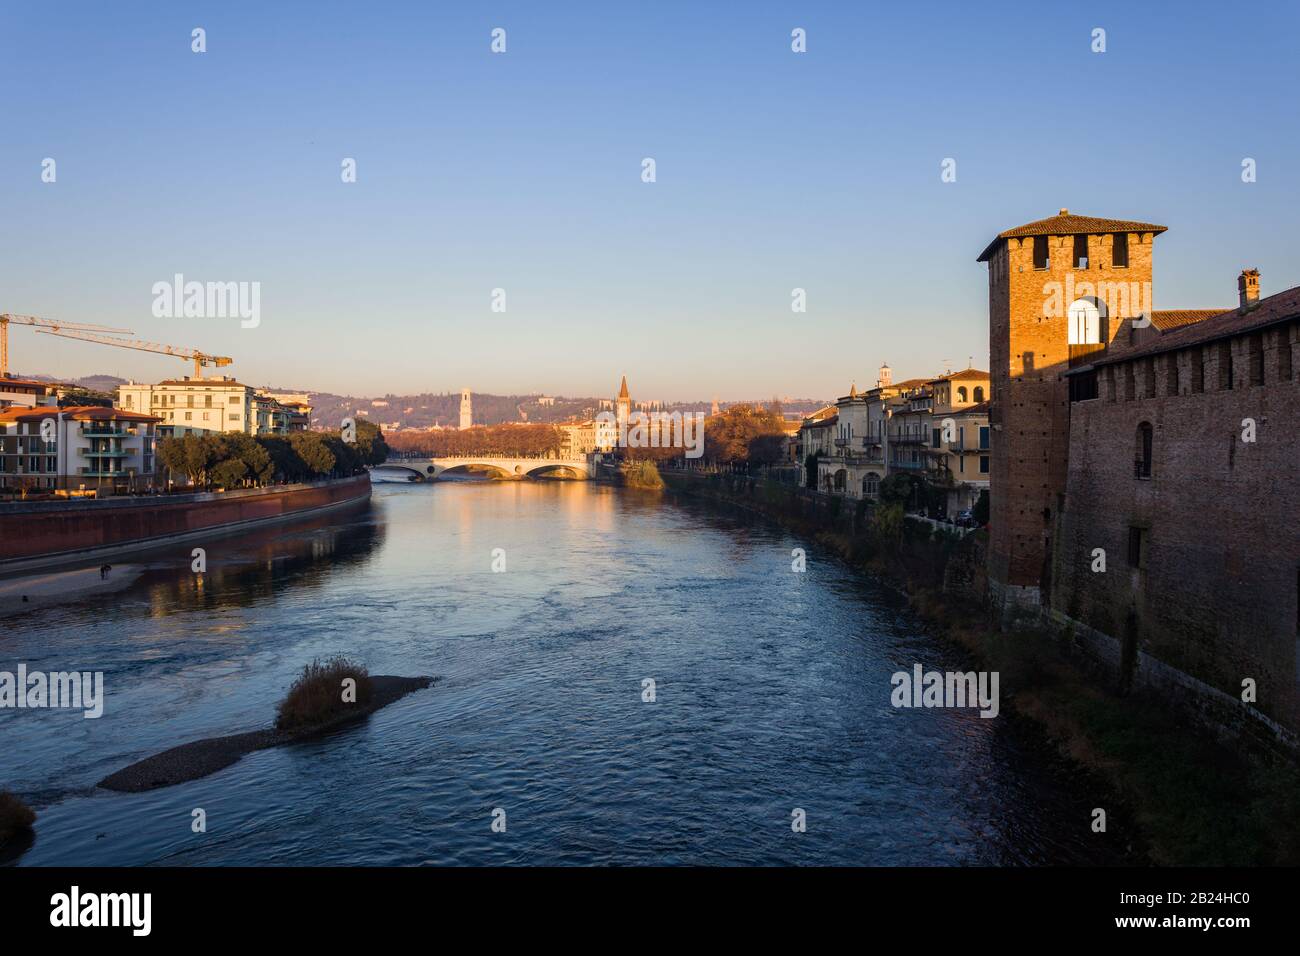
x: 50, y: 325
x: 200, y: 359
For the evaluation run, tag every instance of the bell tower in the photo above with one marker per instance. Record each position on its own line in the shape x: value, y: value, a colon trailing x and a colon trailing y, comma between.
x: 466, y: 410
x: 1061, y: 290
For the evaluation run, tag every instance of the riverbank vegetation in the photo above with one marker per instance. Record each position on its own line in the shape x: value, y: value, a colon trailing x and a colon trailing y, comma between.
x: 237, y: 460
x: 643, y: 474
x: 15, y: 817
x: 1189, y: 798
x: 324, y: 691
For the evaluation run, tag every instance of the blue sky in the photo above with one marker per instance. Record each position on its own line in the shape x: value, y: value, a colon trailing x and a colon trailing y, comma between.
x: 522, y: 171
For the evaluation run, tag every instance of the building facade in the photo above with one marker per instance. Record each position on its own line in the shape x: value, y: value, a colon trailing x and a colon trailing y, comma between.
x: 81, y: 448
x: 197, y: 406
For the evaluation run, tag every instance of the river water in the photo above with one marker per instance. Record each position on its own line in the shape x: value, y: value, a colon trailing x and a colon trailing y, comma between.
x: 771, y: 694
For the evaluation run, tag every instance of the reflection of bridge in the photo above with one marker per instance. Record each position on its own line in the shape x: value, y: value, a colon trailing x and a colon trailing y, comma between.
x: 432, y: 468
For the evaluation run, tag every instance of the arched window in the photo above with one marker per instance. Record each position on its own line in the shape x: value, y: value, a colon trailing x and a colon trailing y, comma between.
x: 961, y: 393
x: 979, y: 393
x: 871, y: 485
x: 1085, y: 323
x: 839, y: 479
x: 1142, y: 458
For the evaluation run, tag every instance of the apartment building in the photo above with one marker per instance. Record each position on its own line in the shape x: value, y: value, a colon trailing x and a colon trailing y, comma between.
x: 27, y: 393
x: 197, y: 406
x: 85, y: 447
x: 958, y: 456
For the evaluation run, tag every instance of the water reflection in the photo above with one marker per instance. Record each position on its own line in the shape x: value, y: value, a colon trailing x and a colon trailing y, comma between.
x: 772, y: 694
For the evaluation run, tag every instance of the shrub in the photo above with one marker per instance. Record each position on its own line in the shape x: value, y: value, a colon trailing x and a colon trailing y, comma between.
x: 15, y: 816
x: 642, y: 474
x: 317, y: 695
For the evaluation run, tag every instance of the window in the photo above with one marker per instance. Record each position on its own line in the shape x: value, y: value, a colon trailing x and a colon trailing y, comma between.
x: 934, y: 438
x: 234, y: 399
x: 1119, y: 251
x: 871, y: 484
x: 1137, y: 547
x: 1198, y: 371
x: 1085, y: 323
x: 1081, y: 252
x: 979, y: 393
x: 984, y: 464
x: 1040, y: 253
x: 1142, y: 458
x: 984, y: 437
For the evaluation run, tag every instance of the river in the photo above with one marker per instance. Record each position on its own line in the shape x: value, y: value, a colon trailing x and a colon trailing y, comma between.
x: 771, y: 695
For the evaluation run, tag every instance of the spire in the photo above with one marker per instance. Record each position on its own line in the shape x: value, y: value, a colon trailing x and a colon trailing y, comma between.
x: 853, y: 390
x: 622, y: 389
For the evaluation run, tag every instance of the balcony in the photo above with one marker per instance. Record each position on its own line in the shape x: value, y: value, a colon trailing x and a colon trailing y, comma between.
x: 122, y: 453
x: 98, y: 431
x: 908, y: 438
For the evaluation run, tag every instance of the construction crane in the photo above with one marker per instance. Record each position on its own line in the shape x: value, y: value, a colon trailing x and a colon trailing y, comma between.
x: 200, y: 359
x: 43, y: 325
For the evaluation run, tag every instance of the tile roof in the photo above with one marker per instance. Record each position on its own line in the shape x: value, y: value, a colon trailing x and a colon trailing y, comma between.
x: 1282, y: 307
x: 80, y: 413
x: 963, y: 375
x: 1167, y: 319
x: 1066, y: 224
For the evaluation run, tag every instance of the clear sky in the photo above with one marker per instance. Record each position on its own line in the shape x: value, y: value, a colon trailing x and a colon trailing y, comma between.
x: 522, y: 171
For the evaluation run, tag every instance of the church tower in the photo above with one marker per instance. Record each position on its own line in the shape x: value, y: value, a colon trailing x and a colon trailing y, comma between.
x: 623, y: 404
x: 1061, y: 292
x: 466, y: 410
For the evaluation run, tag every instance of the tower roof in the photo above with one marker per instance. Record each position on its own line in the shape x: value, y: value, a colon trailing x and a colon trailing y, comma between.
x: 622, y: 389
x: 1066, y: 223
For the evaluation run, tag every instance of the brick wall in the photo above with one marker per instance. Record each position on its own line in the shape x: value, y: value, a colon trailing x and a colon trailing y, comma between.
x: 1216, y: 594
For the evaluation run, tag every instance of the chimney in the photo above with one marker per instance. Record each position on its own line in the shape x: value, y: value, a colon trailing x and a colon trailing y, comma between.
x: 1248, y: 290
x: 1064, y: 211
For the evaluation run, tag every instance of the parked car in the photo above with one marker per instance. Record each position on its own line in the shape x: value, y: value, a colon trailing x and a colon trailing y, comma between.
x: 966, y: 519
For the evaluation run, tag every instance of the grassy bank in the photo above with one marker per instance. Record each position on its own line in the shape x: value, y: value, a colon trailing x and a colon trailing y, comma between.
x: 1195, y: 799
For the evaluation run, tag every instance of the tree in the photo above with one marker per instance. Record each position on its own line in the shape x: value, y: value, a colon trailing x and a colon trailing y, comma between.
x: 810, y: 462
x: 314, y: 454
x: 897, y: 489
x: 744, y: 434
x: 981, y: 510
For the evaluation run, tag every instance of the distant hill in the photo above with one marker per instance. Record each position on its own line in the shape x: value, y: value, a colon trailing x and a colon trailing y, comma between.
x: 426, y: 409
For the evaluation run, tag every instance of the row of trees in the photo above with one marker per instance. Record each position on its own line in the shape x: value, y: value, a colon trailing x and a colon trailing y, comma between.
x: 234, y: 459
x: 751, y: 435
x: 498, y: 441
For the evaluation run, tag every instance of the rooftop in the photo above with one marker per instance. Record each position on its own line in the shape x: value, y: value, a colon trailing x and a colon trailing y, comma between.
x: 1282, y: 307
x: 1066, y: 223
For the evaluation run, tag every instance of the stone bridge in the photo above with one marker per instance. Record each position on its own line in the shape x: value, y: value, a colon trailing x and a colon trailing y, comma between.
x: 430, y: 469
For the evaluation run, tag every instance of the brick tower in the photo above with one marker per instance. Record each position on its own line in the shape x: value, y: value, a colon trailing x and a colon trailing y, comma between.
x: 1061, y: 290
